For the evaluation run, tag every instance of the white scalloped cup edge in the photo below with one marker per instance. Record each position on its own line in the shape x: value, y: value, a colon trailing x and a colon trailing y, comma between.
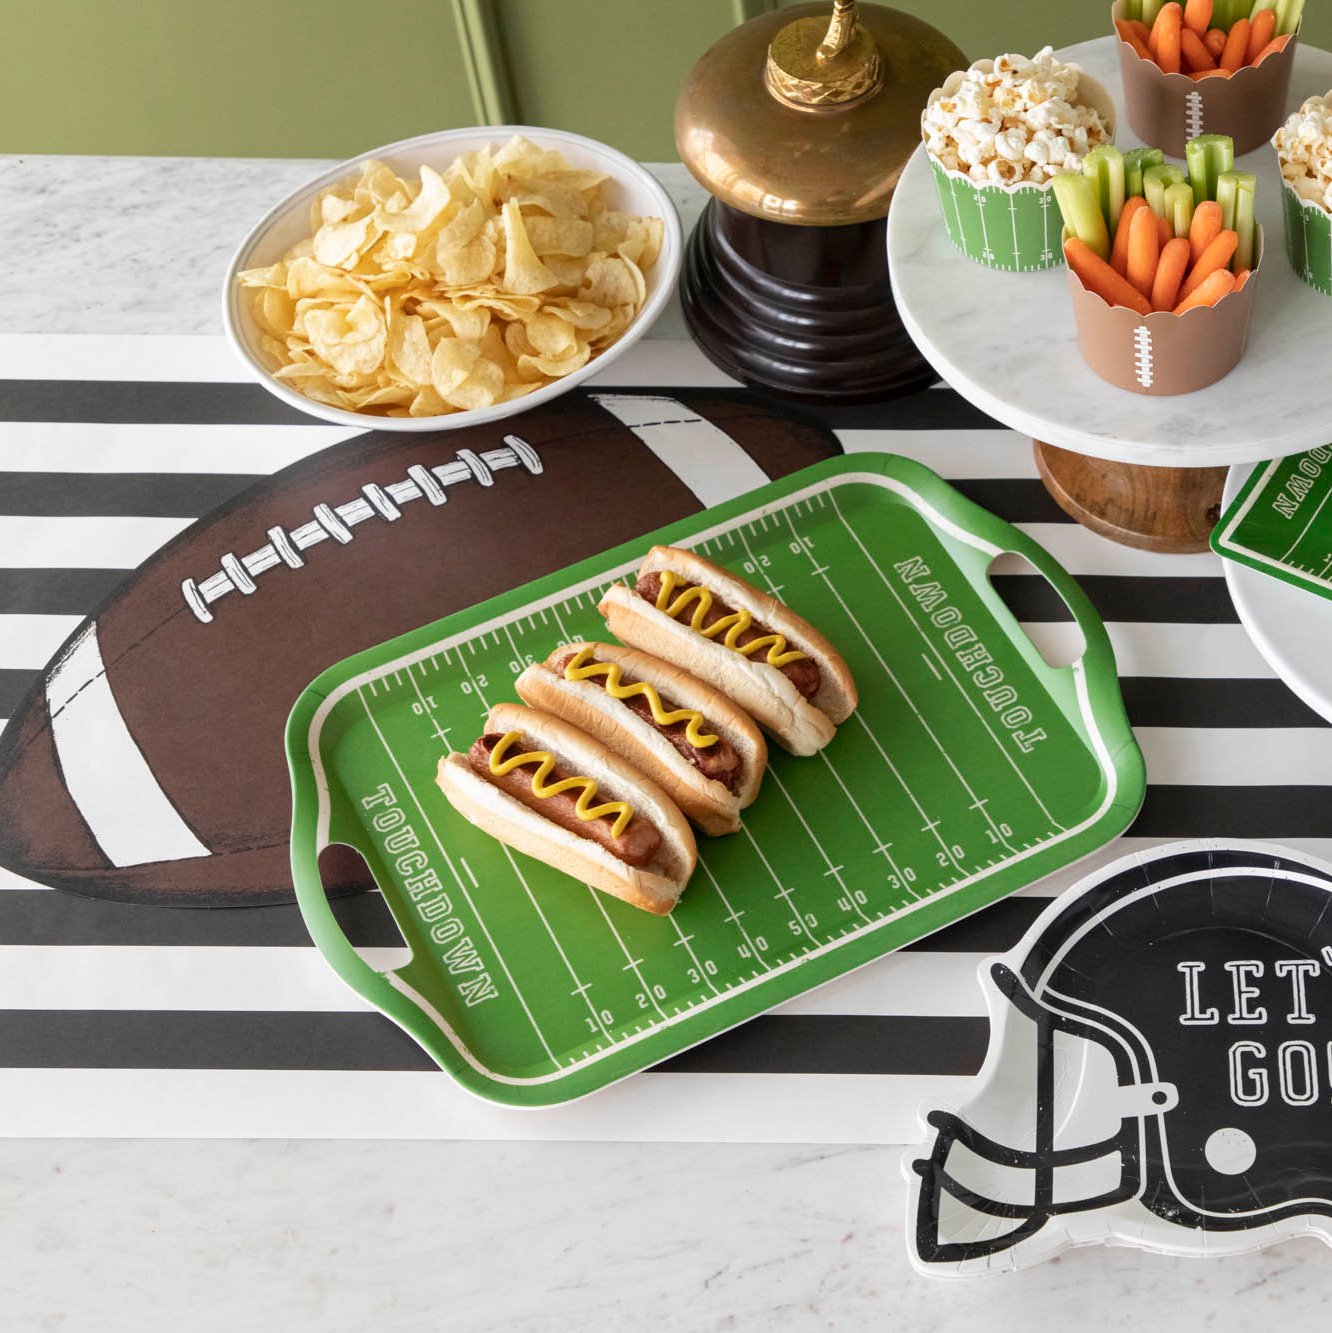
x: 630, y: 187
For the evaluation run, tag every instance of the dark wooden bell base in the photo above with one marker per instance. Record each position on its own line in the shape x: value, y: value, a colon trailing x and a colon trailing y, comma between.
x: 802, y: 311
x: 1169, y: 509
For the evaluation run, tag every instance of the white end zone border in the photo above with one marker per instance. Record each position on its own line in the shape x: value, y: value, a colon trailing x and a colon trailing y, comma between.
x: 917, y: 502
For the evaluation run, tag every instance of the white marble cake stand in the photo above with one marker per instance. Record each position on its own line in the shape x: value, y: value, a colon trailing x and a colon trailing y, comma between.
x: 1006, y: 342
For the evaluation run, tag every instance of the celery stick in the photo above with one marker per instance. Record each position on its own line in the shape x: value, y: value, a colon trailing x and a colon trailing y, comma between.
x: 1259, y: 6
x: 1150, y: 9
x: 1104, y: 166
x: 1132, y: 9
x: 1136, y: 161
x: 1289, y: 13
x: 1078, y: 202
x: 1179, y: 208
x: 1236, y: 192
x: 1155, y: 182
x: 1208, y: 155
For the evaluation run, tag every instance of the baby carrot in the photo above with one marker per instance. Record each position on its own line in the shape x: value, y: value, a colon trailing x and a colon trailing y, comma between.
x: 1216, y: 256
x: 1214, y: 39
x: 1140, y: 28
x: 1166, y: 32
x: 1242, y: 277
x: 1209, y: 74
x: 1262, y: 28
x: 1144, y: 249
x: 1206, y: 227
x: 1132, y: 38
x: 1097, y: 276
x: 1237, y: 46
x: 1275, y: 45
x: 1119, y: 251
x: 1164, y: 230
x: 1170, y: 273
x: 1198, y: 16
x: 1194, y: 53
x: 1209, y: 291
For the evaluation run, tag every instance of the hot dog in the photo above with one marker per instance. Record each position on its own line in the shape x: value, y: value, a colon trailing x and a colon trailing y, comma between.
x: 702, y: 749
x: 748, y: 645
x: 550, y: 790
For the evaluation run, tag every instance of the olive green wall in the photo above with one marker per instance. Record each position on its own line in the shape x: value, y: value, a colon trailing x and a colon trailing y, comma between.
x: 328, y: 78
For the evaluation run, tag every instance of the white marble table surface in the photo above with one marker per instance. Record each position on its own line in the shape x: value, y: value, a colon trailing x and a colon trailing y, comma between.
x: 103, y: 1235
x: 1006, y: 341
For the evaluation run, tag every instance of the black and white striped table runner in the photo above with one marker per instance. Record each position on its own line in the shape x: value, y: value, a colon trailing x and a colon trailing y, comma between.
x: 120, y: 1020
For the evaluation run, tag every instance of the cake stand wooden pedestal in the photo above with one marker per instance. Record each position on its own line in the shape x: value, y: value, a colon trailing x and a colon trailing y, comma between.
x: 1147, y: 471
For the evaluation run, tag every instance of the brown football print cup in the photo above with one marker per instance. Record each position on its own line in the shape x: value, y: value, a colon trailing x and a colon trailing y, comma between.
x: 1167, y: 110
x: 1162, y: 353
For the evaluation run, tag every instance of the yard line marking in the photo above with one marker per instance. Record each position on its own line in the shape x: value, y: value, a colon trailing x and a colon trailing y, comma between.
x: 633, y: 962
x: 684, y: 939
x: 880, y: 845
x: 471, y: 874
x: 555, y: 611
x: 865, y: 726
x: 453, y: 870
x: 517, y: 656
x: 924, y: 657
x: 833, y: 870
x: 782, y: 890
x: 428, y: 712
x: 975, y: 708
x: 734, y: 915
x: 485, y: 707
x: 581, y: 986
x: 892, y: 676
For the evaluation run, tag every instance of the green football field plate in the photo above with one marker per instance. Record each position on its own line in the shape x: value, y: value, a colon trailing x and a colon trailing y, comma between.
x: 970, y: 769
x: 1281, y: 523
x: 1017, y: 228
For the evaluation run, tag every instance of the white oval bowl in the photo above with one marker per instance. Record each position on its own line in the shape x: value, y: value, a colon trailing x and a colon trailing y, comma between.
x: 630, y: 188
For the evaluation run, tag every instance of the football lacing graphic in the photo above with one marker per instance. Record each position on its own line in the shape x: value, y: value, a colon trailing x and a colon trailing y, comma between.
x: 238, y: 574
x: 1193, y: 114
x: 1142, y: 355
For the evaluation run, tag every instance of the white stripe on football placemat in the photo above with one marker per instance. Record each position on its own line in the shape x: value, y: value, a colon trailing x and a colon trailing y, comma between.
x: 64, y: 446
x: 105, y: 772
x: 28, y: 642
x: 713, y: 466
x: 28, y: 542
x: 426, y: 1104
x: 243, y: 979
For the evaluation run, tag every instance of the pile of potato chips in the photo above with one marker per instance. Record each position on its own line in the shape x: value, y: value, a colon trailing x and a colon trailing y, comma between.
x: 456, y: 292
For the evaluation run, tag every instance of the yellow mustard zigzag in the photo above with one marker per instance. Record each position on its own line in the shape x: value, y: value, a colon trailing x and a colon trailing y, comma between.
x: 733, y: 625
x: 585, y: 810
x: 581, y: 667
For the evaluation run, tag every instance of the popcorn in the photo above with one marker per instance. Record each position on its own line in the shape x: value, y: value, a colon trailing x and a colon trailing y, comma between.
x: 1304, y: 148
x: 1012, y: 119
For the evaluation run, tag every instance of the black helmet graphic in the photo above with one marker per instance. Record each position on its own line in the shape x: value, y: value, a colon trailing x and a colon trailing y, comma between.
x: 1159, y: 1072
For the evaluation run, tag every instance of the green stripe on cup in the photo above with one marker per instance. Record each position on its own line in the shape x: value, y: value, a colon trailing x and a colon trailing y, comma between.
x: 1308, y: 239
x: 1013, y: 229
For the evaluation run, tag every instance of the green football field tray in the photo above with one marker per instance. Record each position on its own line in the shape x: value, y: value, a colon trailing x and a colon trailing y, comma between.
x: 1281, y: 522
x: 971, y: 768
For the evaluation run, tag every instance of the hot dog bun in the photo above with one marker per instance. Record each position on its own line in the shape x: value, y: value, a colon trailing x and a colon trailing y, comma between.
x: 655, y: 887
x: 585, y: 704
x: 802, y: 726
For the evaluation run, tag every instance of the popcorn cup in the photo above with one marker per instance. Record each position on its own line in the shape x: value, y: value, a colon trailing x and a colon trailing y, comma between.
x: 1162, y: 353
x: 1012, y: 227
x: 1167, y: 110
x: 1308, y: 238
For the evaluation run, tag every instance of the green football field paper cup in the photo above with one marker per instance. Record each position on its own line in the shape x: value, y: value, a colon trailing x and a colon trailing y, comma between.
x: 1012, y: 227
x: 1308, y: 238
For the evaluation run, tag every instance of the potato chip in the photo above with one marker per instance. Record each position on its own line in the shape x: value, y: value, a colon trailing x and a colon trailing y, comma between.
x: 559, y: 236
x: 453, y: 291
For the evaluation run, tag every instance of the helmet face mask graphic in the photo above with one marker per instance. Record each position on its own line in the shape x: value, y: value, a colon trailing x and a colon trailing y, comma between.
x: 1159, y: 1071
